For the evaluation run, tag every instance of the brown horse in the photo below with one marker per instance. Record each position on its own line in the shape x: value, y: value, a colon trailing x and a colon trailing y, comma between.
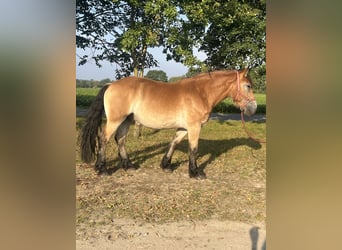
x: 184, y: 105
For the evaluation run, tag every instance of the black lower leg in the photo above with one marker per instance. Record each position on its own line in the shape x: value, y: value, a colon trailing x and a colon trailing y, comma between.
x: 123, y: 156
x: 166, y: 164
x: 194, y: 170
x: 100, y: 165
x: 166, y: 161
x: 126, y: 163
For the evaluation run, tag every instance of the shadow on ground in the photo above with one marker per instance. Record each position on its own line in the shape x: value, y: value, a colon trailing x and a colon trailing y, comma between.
x: 254, y: 234
x: 206, y: 147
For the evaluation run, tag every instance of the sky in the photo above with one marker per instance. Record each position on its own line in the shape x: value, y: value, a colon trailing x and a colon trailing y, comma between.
x: 90, y: 71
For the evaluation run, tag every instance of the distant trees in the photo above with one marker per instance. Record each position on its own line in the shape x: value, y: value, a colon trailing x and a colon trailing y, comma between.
x: 91, y: 83
x: 82, y: 83
x: 176, y: 78
x: 157, y: 75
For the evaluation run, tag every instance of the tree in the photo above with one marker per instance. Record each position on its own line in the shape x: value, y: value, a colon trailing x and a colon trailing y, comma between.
x: 239, y: 39
x: 122, y: 31
x: 157, y: 75
x: 258, y: 76
x: 231, y: 33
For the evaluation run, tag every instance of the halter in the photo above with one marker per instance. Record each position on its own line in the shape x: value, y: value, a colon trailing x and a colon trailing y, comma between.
x: 238, y: 93
x: 248, y: 100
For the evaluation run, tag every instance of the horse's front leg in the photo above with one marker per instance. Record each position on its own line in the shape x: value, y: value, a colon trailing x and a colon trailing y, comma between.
x: 194, y: 170
x: 166, y: 161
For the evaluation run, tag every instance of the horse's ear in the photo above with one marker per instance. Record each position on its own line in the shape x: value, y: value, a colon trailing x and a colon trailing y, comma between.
x: 244, y: 72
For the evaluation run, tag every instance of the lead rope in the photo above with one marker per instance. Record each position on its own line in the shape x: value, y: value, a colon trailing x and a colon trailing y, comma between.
x: 249, y: 135
x: 242, y: 119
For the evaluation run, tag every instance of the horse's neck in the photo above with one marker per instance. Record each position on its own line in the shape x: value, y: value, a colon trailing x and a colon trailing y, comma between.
x: 218, y: 90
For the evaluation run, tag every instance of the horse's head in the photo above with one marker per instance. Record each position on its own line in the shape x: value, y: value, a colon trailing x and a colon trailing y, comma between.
x: 244, y: 97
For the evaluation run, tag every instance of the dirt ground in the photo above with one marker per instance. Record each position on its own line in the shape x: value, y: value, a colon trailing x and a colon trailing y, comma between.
x: 150, y: 209
x: 101, y: 228
x: 208, y: 234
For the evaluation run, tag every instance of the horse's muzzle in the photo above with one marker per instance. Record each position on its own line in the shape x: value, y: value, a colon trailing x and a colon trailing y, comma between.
x: 250, y: 108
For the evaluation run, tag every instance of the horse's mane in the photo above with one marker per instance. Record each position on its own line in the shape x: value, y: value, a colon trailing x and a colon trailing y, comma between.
x: 208, y: 75
x: 214, y: 73
x: 219, y: 73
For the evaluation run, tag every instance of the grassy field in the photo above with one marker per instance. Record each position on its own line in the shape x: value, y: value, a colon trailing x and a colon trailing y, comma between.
x: 84, y: 96
x: 235, y: 187
x: 87, y: 91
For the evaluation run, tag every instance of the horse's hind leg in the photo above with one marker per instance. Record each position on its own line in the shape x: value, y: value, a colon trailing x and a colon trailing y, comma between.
x: 166, y: 161
x: 100, y: 165
x: 120, y: 138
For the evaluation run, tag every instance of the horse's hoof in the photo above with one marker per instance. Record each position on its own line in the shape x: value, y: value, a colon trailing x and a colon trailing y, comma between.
x: 103, y: 172
x: 129, y: 166
x: 167, y: 170
x: 199, y: 175
x: 165, y: 164
x: 101, y: 169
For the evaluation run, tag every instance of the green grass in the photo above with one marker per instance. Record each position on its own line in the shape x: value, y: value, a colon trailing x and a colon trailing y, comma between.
x: 84, y: 97
x: 87, y: 91
x: 234, y: 190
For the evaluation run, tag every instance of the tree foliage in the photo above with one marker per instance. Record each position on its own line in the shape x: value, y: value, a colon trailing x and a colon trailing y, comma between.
x: 157, y: 75
x: 231, y: 33
x: 235, y: 35
x: 122, y: 31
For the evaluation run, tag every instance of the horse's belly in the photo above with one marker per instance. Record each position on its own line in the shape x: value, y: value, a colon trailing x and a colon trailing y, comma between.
x: 159, y: 121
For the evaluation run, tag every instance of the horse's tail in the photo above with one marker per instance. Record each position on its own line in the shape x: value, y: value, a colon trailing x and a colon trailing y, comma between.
x: 92, y: 126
